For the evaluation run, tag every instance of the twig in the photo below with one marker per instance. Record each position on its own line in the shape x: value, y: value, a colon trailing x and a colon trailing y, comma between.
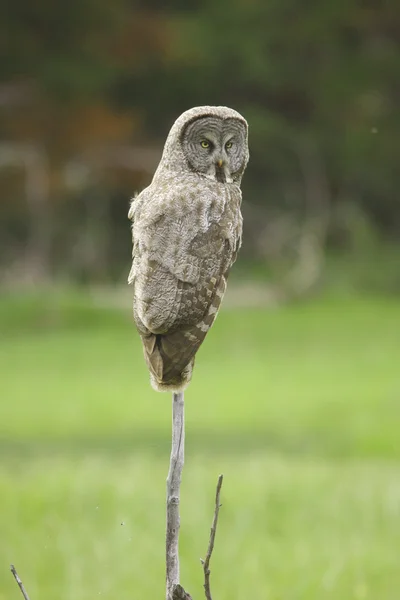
x: 206, y: 562
x: 18, y: 580
x: 173, y: 495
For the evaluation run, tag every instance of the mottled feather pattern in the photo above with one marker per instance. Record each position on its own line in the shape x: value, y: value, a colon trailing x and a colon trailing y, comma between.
x: 186, y: 233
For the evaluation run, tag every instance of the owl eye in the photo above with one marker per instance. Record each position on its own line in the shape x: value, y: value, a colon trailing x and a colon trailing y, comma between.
x: 228, y: 145
x: 205, y: 144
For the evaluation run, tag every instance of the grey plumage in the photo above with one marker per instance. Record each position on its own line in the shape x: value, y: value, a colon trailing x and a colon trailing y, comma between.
x: 186, y: 234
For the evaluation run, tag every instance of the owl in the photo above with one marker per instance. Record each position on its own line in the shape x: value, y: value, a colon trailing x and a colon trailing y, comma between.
x: 186, y: 233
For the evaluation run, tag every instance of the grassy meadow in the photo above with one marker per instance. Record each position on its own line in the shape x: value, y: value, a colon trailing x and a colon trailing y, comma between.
x: 298, y: 406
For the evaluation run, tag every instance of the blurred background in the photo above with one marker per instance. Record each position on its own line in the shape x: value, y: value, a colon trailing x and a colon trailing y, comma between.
x: 296, y: 392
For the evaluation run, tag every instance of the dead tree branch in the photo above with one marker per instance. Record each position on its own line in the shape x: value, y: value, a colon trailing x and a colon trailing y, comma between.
x: 173, y: 494
x: 18, y: 580
x: 174, y: 591
x: 206, y: 562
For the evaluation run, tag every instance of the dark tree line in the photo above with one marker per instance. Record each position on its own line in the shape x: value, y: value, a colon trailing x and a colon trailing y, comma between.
x: 88, y: 91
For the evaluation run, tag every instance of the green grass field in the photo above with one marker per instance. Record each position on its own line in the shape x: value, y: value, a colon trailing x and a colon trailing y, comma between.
x: 299, y: 407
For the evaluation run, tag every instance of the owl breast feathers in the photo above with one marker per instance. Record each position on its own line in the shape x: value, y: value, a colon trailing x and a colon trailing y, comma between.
x: 186, y: 233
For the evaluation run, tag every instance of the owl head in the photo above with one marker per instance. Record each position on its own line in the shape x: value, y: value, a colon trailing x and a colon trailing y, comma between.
x: 210, y: 141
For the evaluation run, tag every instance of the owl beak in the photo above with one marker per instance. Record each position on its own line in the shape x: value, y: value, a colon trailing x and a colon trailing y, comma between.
x: 220, y: 162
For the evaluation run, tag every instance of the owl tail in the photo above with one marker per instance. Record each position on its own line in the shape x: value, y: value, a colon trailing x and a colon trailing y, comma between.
x: 178, y: 384
x: 170, y: 359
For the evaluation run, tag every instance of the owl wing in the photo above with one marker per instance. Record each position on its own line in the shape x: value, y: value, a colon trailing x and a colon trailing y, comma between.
x: 181, y: 260
x: 168, y: 354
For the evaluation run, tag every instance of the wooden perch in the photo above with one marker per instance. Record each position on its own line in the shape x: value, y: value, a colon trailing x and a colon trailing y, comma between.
x: 173, y: 495
x: 174, y: 591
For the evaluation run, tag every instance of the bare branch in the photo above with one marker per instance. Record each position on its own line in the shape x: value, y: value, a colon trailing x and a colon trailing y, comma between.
x: 206, y: 562
x: 173, y: 495
x: 18, y: 580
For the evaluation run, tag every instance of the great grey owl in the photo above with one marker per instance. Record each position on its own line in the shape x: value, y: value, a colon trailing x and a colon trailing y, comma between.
x: 186, y: 233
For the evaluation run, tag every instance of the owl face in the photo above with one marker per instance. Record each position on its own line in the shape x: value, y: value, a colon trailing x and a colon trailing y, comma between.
x: 216, y: 147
